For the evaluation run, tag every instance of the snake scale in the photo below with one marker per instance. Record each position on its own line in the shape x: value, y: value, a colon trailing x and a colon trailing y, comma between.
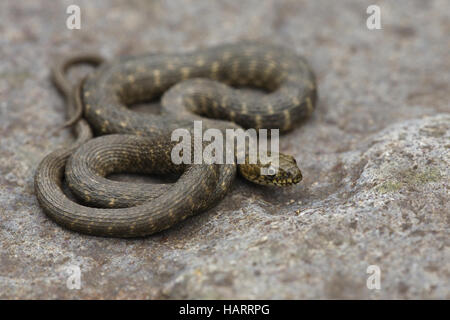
x: 192, y: 85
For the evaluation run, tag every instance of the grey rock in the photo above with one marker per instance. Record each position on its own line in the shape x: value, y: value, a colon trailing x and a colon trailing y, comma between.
x: 375, y: 157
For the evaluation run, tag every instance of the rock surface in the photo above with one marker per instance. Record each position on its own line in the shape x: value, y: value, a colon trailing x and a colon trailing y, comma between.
x: 375, y: 157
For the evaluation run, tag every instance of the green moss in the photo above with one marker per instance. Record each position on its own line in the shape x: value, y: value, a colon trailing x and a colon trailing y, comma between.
x: 410, y: 177
x: 389, y: 186
x: 413, y: 177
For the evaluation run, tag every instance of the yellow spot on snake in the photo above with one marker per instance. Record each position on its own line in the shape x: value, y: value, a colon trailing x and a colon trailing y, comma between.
x: 131, y: 78
x: 226, y: 55
x: 224, y: 101
x: 270, y: 109
x: 214, y: 68
x: 258, y: 120
x: 287, y: 119
x: 157, y: 77
x: 270, y: 66
x: 295, y: 101
x: 111, y: 203
x: 244, y: 108
x: 185, y: 72
x: 200, y: 62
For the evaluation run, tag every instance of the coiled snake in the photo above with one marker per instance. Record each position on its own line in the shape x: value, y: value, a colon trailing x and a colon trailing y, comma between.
x: 198, y: 84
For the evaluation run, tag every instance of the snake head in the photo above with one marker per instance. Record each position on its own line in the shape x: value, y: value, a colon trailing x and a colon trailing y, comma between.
x: 285, y: 174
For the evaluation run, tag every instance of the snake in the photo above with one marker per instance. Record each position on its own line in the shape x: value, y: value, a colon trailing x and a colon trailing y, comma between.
x: 198, y: 85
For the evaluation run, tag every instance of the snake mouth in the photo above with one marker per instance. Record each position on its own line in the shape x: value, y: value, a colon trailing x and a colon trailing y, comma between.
x: 286, y: 182
x: 287, y: 178
x: 279, y: 182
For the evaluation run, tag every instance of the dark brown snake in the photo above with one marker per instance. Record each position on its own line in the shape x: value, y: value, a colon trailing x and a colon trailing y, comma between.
x: 137, y: 142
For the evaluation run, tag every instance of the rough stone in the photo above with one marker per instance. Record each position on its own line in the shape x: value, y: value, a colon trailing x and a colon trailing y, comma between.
x: 375, y: 157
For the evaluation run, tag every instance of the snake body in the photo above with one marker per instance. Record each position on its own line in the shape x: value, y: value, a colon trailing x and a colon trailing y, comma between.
x: 198, y: 84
